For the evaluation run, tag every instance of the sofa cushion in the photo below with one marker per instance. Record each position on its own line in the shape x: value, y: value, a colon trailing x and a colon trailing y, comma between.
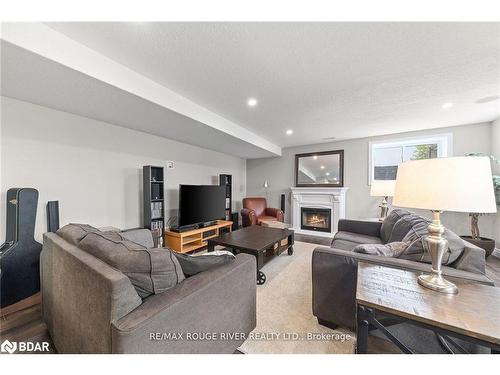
x: 389, y: 223
x: 418, y: 231
x: 74, y: 233
x: 392, y: 249
x: 193, y: 264
x: 151, y: 271
x: 349, y: 240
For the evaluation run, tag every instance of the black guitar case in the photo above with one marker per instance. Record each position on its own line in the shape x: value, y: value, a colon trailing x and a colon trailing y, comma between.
x: 20, y: 254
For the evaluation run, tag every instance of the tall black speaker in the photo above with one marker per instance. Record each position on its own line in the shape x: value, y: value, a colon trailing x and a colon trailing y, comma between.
x: 282, y: 206
x: 20, y: 253
x: 235, y: 217
x: 227, y: 181
x: 52, y: 216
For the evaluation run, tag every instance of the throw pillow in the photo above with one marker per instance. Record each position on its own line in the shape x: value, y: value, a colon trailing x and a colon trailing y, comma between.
x: 389, y: 223
x: 74, y: 233
x: 151, y: 271
x: 416, y: 250
x: 412, y: 248
x: 141, y: 236
x: 403, y: 226
x: 193, y: 264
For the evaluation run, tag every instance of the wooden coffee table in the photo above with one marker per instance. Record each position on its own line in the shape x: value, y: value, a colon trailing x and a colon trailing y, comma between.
x: 257, y: 241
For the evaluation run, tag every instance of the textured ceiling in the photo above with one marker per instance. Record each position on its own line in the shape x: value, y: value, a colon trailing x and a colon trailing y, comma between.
x: 322, y: 80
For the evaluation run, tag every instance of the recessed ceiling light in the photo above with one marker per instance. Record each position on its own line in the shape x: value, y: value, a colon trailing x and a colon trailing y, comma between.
x: 252, y: 102
x: 315, y: 157
x: 322, y: 167
x: 327, y: 173
x: 335, y: 179
x: 289, y: 132
x: 447, y: 105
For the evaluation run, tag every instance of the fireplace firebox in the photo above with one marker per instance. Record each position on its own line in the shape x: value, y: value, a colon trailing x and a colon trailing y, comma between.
x: 317, y: 219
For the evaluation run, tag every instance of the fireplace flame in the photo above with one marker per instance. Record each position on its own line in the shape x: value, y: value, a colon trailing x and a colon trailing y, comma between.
x: 316, y: 220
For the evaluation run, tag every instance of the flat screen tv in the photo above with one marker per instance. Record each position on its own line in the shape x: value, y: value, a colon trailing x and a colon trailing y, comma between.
x: 201, y: 203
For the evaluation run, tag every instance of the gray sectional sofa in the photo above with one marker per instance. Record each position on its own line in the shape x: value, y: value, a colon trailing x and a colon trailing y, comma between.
x: 91, y: 307
x: 334, y: 272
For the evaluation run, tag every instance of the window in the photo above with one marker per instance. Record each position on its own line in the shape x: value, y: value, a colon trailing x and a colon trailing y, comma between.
x: 385, y: 156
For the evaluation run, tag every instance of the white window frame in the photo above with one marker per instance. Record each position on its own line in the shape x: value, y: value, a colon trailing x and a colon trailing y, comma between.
x: 444, y: 142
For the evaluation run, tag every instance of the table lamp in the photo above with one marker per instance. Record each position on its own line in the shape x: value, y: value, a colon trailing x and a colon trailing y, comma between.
x: 383, y: 188
x: 460, y: 184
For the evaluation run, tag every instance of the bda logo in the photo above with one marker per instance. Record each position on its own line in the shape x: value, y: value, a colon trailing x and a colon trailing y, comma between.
x: 9, y: 347
x: 24, y: 346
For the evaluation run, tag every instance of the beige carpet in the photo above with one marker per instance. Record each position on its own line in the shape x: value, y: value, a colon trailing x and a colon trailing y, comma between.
x: 284, y: 311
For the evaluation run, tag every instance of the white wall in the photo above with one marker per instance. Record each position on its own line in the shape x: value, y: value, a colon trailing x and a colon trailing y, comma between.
x: 94, y: 169
x: 280, y: 172
x: 495, y: 151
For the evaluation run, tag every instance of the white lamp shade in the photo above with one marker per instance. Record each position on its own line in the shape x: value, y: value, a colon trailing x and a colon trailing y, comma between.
x: 382, y: 188
x: 461, y: 184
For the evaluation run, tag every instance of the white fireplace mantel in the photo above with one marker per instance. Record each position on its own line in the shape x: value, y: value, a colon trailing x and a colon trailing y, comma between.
x: 318, y: 197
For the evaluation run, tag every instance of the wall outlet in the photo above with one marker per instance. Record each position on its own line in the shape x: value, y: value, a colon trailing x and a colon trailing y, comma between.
x: 170, y: 165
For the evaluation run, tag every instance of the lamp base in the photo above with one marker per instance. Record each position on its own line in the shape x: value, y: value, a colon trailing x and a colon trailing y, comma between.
x: 436, y: 245
x: 384, y: 208
x: 438, y: 283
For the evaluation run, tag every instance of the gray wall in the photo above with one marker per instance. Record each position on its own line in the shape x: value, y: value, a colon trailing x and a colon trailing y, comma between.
x: 280, y: 173
x: 94, y: 168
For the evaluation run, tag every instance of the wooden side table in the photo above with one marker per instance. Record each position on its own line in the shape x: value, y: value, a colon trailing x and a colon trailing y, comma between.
x: 471, y: 315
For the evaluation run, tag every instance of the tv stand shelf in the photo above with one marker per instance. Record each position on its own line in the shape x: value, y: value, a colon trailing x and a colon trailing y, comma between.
x: 184, y: 242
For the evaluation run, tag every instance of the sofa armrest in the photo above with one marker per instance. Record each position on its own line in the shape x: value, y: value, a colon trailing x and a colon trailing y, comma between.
x: 275, y: 212
x: 81, y: 295
x: 368, y: 228
x: 334, y: 278
x: 221, y: 300
x: 248, y: 217
x: 472, y: 259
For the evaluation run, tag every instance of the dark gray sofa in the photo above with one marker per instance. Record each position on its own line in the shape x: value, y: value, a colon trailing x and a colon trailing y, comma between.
x: 334, y: 278
x: 91, y: 307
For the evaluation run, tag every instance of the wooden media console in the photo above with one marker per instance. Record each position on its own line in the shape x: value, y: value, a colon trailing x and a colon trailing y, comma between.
x: 184, y: 242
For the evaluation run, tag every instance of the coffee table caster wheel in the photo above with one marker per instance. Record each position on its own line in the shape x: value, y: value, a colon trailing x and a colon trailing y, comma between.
x: 261, y: 278
x: 290, y: 250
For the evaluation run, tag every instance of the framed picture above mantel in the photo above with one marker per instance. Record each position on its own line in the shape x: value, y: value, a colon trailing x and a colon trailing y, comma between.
x: 320, y: 169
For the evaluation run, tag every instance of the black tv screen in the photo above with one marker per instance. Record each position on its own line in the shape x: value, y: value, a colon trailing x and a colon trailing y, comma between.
x: 201, y: 203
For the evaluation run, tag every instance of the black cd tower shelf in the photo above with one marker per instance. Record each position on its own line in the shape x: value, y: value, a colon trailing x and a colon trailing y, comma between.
x: 154, y: 201
x: 227, y: 181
